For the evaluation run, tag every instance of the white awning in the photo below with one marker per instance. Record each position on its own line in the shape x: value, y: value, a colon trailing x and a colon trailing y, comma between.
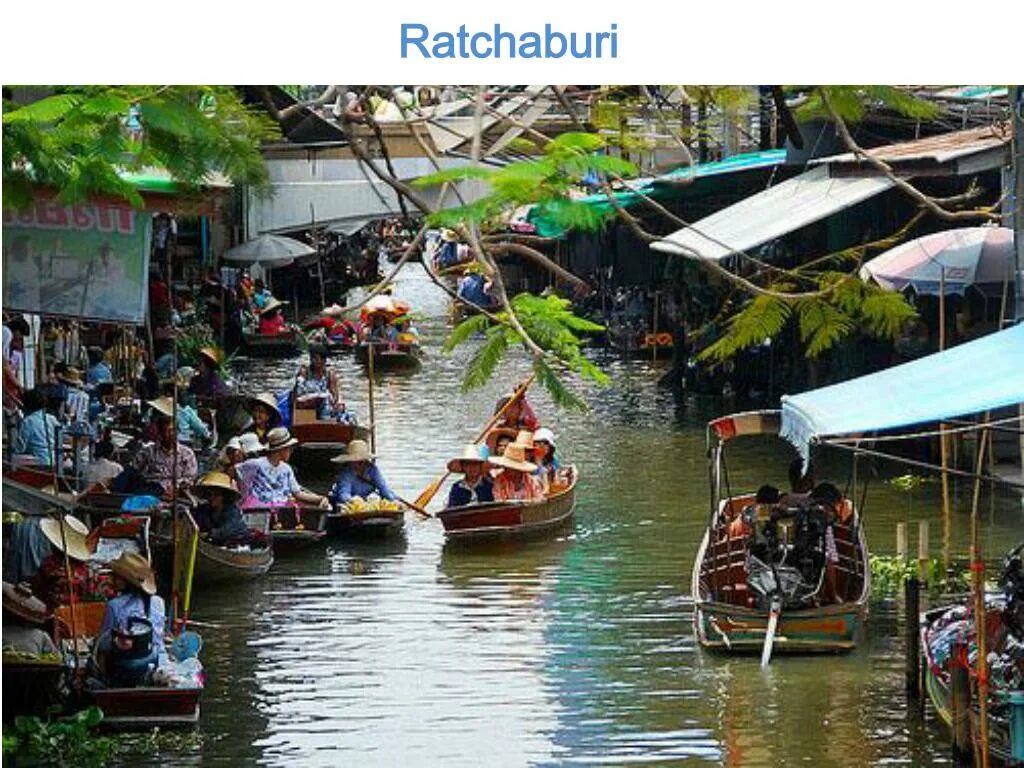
x: 777, y: 211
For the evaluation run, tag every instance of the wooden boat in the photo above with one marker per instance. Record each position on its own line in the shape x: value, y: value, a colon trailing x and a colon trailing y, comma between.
x: 369, y: 524
x: 32, y: 500
x: 217, y: 564
x: 513, y: 519
x: 937, y: 684
x: 391, y: 357
x: 730, y: 613
x: 147, y: 707
x: 322, y: 440
x: 289, y: 537
x: 284, y: 344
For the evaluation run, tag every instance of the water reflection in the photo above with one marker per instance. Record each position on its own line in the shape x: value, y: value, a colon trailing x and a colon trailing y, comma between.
x: 574, y: 651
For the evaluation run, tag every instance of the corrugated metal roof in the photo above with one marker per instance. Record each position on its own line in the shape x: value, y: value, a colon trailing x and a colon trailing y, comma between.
x: 777, y: 211
x: 944, y: 148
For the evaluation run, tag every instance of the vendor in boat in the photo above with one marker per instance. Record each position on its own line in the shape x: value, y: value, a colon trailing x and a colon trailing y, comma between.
x: 50, y: 584
x: 516, y: 480
x: 272, y: 320
x: 476, y: 486
x: 360, y: 476
x: 269, y: 481
x: 379, y: 330
x: 218, y: 516
x: 131, y: 638
x: 518, y: 415
x: 207, y: 381
x: 162, y: 462
x: 324, y: 386
x: 23, y: 618
x: 265, y: 414
x: 192, y: 430
x: 38, y: 433
x: 405, y: 331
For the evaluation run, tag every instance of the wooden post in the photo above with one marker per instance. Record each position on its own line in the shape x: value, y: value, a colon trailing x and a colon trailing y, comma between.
x: 901, y: 541
x: 912, y: 608
x: 978, y: 573
x: 947, y: 520
x: 960, y: 705
x: 922, y: 551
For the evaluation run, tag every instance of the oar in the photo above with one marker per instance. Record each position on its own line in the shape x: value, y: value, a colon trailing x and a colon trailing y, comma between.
x: 414, y: 507
x: 431, y: 490
x: 769, y: 635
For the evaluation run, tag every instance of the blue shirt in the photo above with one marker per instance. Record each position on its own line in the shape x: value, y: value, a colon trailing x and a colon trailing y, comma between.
x: 190, y: 426
x: 462, y: 493
x: 349, y: 485
x: 98, y: 374
x: 472, y: 289
x: 129, y: 605
x: 36, y: 436
x: 232, y: 528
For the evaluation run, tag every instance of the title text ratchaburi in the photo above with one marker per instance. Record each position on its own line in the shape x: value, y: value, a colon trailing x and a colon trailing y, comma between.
x: 418, y: 41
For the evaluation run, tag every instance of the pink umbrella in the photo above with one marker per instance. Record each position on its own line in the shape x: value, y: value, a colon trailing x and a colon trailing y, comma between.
x: 960, y: 257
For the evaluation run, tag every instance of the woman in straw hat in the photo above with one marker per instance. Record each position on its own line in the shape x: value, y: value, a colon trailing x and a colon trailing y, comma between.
x: 272, y: 322
x: 476, y: 486
x: 22, y: 617
x: 269, y: 481
x: 516, y: 481
x: 207, y: 381
x: 133, y: 620
x: 359, y: 476
x: 498, y: 439
x: 50, y: 584
x: 218, y: 517
x: 264, y: 412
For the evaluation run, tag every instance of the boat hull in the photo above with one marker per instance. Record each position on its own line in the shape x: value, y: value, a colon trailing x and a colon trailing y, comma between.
x: 279, y: 345
x: 287, y: 539
x: 376, y: 524
x: 405, y: 359
x: 218, y: 565
x: 148, y: 707
x: 516, y: 520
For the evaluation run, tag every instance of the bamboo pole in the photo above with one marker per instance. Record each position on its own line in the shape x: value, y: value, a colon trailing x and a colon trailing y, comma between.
x: 947, y: 520
x: 373, y: 417
x: 978, y: 579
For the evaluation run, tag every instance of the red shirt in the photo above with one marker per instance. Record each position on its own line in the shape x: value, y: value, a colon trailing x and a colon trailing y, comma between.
x: 272, y: 326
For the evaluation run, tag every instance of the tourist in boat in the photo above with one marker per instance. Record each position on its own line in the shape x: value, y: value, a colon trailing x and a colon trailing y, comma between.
x: 518, y: 415
x: 218, y: 516
x: 231, y: 454
x: 324, y: 386
x: 829, y: 498
x: 498, y: 439
x: 516, y: 480
x: 476, y: 486
x: 156, y: 462
x: 50, y: 583
x: 207, y: 381
x: 272, y: 320
x: 544, y: 456
x: 269, y: 481
x: 360, y: 476
x: 131, y: 637
x: 265, y: 414
x: 38, y: 434
x: 744, y: 524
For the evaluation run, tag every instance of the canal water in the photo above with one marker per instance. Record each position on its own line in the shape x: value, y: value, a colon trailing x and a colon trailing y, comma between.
x: 576, y: 651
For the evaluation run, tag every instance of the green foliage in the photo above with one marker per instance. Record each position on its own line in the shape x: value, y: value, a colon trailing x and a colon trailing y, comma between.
x: 74, y: 742
x: 78, y: 140
x: 889, y: 573
x: 821, y: 325
x: 762, y: 318
x: 851, y: 102
x: 551, y: 323
x: 546, y: 182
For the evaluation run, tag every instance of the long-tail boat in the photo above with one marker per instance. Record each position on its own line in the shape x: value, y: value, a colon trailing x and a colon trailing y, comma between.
x: 513, y: 519
x: 741, y: 602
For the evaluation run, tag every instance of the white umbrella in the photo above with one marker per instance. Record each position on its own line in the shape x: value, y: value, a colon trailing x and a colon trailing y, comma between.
x: 269, y: 251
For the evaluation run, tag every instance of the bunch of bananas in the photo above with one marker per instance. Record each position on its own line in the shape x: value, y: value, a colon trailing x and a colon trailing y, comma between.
x: 360, y: 505
x: 12, y: 656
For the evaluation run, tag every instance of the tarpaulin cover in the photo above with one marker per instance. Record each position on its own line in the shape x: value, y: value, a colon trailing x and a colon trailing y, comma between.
x: 981, y: 375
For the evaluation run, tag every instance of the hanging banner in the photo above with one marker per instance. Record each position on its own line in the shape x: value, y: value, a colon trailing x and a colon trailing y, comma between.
x: 86, y: 261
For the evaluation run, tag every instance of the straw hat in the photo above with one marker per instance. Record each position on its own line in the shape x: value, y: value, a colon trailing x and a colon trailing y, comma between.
x: 218, y: 481
x: 357, y: 450
x: 278, y: 438
x: 264, y: 398
x: 75, y: 533
x: 250, y: 444
x: 449, y: 235
x: 133, y: 568
x: 544, y: 435
x: 71, y: 376
x: 19, y: 601
x: 212, y: 355
x: 513, y: 458
x: 476, y: 454
x: 525, y: 438
x: 496, y: 434
x: 273, y: 304
x: 162, y: 405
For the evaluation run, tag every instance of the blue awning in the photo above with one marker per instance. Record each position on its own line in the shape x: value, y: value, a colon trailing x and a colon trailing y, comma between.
x: 981, y: 375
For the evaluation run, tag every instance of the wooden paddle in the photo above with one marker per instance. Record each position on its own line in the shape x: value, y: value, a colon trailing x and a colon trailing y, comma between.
x: 431, y: 490
x: 769, y: 635
x: 417, y: 509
